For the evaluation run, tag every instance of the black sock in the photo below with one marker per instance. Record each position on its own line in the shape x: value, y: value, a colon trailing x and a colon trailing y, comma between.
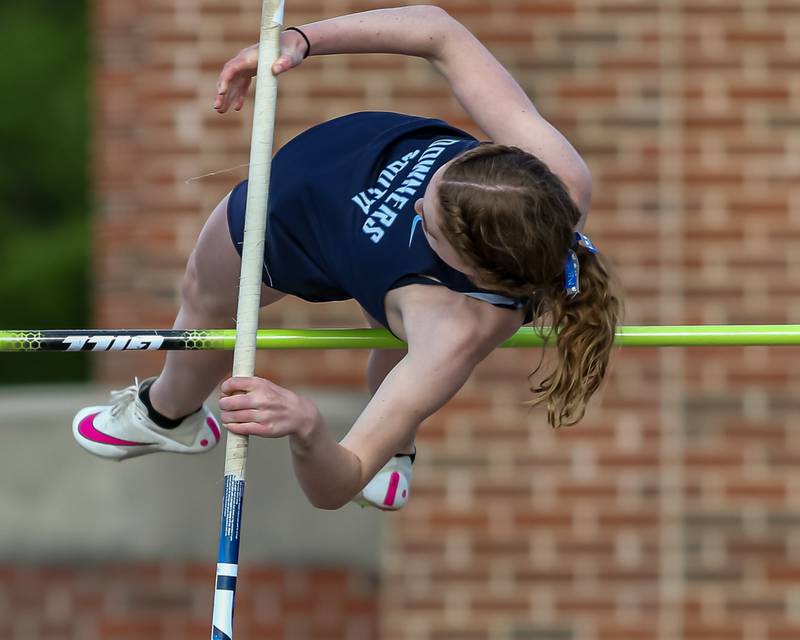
x: 155, y: 416
x: 412, y: 455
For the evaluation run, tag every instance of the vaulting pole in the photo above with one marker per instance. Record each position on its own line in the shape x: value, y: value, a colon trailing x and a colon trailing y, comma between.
x: 244, y: 355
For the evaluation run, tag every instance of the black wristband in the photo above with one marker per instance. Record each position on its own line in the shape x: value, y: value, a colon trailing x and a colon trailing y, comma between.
x: 305, y: 37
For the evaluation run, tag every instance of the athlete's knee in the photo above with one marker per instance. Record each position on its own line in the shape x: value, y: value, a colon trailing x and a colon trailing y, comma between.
x: 203, y: 297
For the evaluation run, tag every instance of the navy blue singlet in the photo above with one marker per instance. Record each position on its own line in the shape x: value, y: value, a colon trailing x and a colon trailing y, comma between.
x: 341, y: 211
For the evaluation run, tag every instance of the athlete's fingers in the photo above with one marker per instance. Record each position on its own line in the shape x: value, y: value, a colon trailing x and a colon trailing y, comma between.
x: 236, y: 94
x: 255, y: 399
x: 226, y: 88
x: 239, y: 384
x: 230, y: 99
x: 233, y: 94
x: 225, y: 76
x: 248, y: 429
x: 219, y: 102
x: 236, y: 402
x: 255, y: 429
x: 239, y: 68
x: 243, y: 416
x: 229, y: 71
x: 254, y: 392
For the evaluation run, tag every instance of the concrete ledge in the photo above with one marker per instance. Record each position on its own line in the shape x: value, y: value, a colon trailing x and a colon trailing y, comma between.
x: 59, y: 503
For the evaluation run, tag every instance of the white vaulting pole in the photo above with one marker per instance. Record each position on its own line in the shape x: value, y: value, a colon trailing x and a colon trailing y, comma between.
x: 244, y: 355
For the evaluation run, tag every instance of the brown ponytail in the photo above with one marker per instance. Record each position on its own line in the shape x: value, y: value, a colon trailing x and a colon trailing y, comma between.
x: 585, y: 326
x: 508, y: 216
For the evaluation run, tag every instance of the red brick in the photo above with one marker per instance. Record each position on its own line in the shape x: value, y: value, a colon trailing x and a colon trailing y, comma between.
x: 763, y: 92
x: 755, y: 36
x: 611, y: 631
x: 701, y: 631
x: 783, y: 631
x: 599, y: 605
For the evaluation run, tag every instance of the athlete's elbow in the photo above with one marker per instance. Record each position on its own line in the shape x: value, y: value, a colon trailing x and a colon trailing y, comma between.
x: 435, y: 11
x: 444, y: 22
x: 326, y: 499
x: 440, y: 25
x: 327, y: 503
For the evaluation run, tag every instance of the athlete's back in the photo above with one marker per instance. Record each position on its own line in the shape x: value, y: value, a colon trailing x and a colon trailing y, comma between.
x: 342, y: 222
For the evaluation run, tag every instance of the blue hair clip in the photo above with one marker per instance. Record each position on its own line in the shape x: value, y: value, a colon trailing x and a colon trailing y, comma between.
x: 584, y: 242
x: 572, y: 273
x: 572, y: 267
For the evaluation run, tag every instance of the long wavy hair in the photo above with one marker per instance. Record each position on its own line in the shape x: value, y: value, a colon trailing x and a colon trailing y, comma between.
x: 513, y: 221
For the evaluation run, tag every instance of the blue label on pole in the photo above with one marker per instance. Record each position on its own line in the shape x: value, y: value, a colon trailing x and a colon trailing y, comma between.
x: 220, y: 635
x: 226, y: 583
x: 230, y: 526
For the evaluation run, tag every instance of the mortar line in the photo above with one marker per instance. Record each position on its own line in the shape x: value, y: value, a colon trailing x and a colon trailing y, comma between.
x: 671, y: 310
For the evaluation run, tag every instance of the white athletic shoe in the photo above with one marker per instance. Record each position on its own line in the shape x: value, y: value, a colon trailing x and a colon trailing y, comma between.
x: 123, y: 429
x: 390, y: 489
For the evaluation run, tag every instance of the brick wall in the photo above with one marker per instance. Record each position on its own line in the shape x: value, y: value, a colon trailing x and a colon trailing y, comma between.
x: 171, y: 602
x: 672, y: 511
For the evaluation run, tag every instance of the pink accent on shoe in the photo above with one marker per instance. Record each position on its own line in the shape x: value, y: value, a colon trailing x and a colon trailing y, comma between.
x: 214, y: 428
x: 394, y: 481
x: 87, y: 429
x: 204, y: 443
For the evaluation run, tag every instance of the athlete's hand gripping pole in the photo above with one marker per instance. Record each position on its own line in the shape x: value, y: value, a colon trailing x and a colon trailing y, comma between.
x: 244, y: 355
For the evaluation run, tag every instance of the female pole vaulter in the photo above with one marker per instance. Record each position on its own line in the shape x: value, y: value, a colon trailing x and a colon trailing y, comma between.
x: 450, y: 243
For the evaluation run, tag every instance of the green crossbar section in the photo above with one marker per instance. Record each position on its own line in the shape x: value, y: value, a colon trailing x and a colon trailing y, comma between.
x: 225, y: 339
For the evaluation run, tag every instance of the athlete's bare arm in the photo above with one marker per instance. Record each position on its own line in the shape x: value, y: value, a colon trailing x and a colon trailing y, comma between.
x: 503, y: 110
x: 331, y: 474
x: 482, y: 85
x: 443, y: 351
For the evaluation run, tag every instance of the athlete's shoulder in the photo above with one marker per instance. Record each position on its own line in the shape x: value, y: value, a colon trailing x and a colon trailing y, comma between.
x: 440, y: 314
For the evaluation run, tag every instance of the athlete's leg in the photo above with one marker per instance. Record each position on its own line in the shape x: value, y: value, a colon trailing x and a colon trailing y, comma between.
x: 209, y: 295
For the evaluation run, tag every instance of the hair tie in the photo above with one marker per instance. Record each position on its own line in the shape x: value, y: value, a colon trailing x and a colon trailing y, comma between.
x: 305, y: 37
x: 572, y: 267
